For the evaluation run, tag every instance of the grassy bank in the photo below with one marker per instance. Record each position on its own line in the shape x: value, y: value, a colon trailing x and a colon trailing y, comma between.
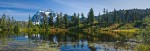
x: 43, y: 30
x: 125, y: 30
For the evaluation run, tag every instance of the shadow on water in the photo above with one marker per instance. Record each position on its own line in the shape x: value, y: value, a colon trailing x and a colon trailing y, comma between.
x: 68, y: 41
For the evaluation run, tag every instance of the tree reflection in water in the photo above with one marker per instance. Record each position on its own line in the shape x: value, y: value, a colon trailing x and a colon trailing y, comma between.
x: 69, y: 41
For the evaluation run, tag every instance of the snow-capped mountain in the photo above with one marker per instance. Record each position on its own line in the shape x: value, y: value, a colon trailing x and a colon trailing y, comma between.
x: 38, y: 17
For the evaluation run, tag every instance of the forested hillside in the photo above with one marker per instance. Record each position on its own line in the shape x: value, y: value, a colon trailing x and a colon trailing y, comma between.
x: 123, y: 16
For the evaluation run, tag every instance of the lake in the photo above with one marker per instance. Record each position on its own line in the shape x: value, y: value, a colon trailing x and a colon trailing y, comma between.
x: 68, y: 41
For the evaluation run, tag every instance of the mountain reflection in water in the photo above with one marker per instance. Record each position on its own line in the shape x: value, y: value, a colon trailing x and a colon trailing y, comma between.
x: 105, y: 41
x: 81, y: 46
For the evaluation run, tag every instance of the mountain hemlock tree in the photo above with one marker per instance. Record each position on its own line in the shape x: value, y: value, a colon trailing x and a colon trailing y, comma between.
x: 13, y: 21
x: 107, y: 17
x: 29, y: 22
x: 58, y: 20
x: 51, y: 23
x: 91, y: 17
x: 115, y: 19
x: 73, y: 20
x: 65, y: 20
x: 99, y: 18
x: 104, y: 15
x: 83, y: 19
x: 61, y: 20
x: 16, y: 26
x: 78, y: 20
x: 8, y: 23
x: 45, y: 21
x: 3, y: 21
x: 126, y: 16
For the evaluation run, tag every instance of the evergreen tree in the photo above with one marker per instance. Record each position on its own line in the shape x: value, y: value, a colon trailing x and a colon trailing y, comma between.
x: 135, y: 17
x: 73, y: 20
x: 91, y: 17
x: 104, y: 16
x: 8, y: 23
x: 58, y: 20
x: 51, y: 23
x: 127, y: 16
x: 83, y: 19
x: 3, y: 21
x: 107, y: 17
x: 65, y: 20
x: 29, y: 22
x: 99, y: 18
x: 78, y: 20
x: 45, y: 21
x: 12, y: 22
x: 145, y: 33
x: 61, y: 20
x: 16, y: 26
x: 116, y: 17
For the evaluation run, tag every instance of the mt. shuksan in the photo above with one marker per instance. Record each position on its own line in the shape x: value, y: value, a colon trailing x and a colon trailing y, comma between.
x: 38, y: 17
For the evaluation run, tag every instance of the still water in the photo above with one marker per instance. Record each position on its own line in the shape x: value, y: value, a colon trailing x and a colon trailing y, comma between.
x: 68, y: 41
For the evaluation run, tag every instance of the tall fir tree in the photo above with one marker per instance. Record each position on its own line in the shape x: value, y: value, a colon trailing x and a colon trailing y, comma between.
x: 45, y: 21
x: 91, y: 17
x: 51, y: 23
x: 65, y: 20
x: 78, y: 20
x: 83, y: 19
x: 58, y: 20
x: 29, y: 22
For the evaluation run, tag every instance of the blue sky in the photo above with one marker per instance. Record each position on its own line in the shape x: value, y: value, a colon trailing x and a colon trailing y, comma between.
x: 20, y: 9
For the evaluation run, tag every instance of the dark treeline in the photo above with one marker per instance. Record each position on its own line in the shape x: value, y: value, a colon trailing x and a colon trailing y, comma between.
x: 8, y: 23
x: 80, y: 21
x: 123, y: 16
